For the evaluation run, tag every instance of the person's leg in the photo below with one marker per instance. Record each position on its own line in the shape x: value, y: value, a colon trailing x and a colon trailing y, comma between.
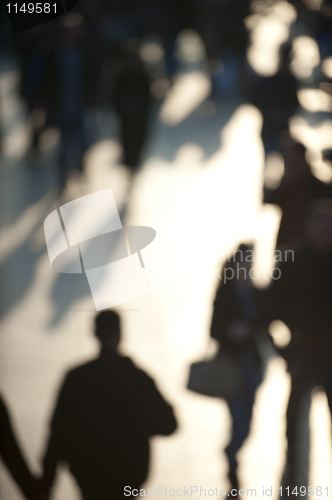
x: 119, y: 496
x: 328, y: 378
x: 241, y: 412
x: 297, y: 463
x: 134, y: 132
x: 114, y: 493
x: 70, y: 68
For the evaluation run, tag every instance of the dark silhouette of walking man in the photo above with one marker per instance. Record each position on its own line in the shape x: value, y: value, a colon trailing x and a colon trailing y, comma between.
x: 132, y: 105
x: 106, y: 412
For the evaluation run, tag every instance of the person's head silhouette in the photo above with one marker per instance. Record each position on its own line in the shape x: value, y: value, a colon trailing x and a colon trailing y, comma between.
x: 107, y: 330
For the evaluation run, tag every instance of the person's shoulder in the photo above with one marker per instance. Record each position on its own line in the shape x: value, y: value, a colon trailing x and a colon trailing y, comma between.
x: 296, y: 263
x: 303, y: 254
x: 320, y: 188
x: 136, y: 372
x: 80, y: 370
x: 3, y: 410
x: 284, y: 259
x: 129, y: 364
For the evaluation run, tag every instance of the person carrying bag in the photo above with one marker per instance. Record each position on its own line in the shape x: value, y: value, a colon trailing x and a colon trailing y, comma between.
x: 235, y: 372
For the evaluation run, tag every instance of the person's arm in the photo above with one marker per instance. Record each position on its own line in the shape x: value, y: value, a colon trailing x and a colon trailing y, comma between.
x: 283, y: 294
x: 229, y: 325
x: 57, y: 438
x: 278, y: 303
x: 13, y: 458
x: 274, y: 196
x: 221, y: 310
x: 159, y: 415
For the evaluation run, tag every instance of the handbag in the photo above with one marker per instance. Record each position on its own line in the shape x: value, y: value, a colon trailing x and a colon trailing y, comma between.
x: 218, y: 377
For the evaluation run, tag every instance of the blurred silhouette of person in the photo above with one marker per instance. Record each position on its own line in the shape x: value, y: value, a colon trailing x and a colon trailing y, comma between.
x: 297, y: 188
x: 323, y: 30
x: 222, y: 27
x: 60, y: 74
x: 35, y: 46
x: 234, y: 325
x: 105, y: 414
x: 177, y: 17
x: 302, y: 298
x: 132, y: 105
x: 276, y: 98
x: 68, y: 89
x: 12, y: 456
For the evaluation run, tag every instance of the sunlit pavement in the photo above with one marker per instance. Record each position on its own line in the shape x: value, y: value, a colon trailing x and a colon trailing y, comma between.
x: 200, y: 188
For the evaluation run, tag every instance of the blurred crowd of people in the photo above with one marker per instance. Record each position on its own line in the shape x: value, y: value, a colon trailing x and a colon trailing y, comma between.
x: 300, y: 296
x: 92, y: 57
x: 121, y: 55
x: 108, y: 409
